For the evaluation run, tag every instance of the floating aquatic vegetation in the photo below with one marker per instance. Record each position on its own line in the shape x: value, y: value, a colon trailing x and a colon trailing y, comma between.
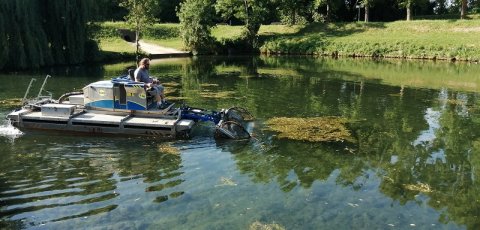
x: 168, y: 148
x: 221, y: 94
x: 420, y: 187
x: 257, y: 225
x: 11, y: 102
x: 316, y: 129
x: 208, y: 85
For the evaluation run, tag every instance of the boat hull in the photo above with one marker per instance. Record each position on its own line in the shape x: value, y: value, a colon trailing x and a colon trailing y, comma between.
x: 100, y: 123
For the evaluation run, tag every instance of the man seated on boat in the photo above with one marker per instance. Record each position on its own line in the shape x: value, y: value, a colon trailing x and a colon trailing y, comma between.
x: 155, y: 88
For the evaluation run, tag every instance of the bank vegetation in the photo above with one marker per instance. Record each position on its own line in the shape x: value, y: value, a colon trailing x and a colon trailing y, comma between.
x: 420, y: 39
x: 35, y: 34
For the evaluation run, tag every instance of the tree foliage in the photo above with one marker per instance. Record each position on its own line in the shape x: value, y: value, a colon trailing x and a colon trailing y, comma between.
x: 140, y: 16
x: 196, y: 20
x: 251, y: 12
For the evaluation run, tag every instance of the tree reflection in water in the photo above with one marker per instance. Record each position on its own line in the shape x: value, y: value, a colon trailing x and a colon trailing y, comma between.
x: 388, y: 123
x: 56, y: 182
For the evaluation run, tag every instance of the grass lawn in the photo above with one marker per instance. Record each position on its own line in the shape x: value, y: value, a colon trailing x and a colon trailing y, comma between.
x: 225, y: 31
x: 116, y: 45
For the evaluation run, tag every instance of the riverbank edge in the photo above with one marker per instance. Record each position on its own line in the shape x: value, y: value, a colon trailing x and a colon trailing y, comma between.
x: 377, y: 53
x: 335, y: 54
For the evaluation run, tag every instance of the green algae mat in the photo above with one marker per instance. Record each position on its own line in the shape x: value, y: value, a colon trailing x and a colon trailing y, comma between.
x: 314, y: 129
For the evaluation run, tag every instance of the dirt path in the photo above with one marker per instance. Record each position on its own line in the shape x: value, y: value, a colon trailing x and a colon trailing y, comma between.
x: 153, y: 49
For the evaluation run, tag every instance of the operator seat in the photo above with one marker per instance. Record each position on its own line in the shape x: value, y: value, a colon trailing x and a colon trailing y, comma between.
x: 131, y: 74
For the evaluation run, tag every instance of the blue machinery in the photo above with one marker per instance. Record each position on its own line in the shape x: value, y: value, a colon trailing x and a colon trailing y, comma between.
x: 229, y: 122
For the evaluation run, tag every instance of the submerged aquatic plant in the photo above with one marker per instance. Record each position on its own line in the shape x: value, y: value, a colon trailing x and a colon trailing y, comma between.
x: 226, y: 182
x: 257, y: 225
x: 221, y: 94
x: 315, y: 129
x: 168, y: 149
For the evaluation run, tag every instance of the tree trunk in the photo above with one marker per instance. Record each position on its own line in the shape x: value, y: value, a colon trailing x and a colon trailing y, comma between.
x: 463, y: 9
x: 327, y: 16
x: 409, y: 13
x: 137, y: 44
x: 366, y: 13
x: 294, y: 20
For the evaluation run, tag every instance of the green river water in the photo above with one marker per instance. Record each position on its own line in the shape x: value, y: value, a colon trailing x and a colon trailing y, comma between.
x: 414, y: 162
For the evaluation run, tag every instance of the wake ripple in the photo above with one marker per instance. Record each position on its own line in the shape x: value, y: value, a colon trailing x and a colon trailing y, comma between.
x: 7, y: 130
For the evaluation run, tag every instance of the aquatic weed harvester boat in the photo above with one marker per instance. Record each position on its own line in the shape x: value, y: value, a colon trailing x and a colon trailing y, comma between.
x: 121, y: 106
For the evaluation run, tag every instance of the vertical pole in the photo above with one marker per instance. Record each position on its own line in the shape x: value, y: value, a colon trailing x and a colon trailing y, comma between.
x: 28, y: 90
x: 43, y: 85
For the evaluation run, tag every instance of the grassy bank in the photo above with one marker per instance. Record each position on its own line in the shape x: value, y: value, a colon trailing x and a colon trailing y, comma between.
x: 422, y: 39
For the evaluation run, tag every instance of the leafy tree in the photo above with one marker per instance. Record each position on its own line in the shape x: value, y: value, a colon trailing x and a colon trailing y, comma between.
x: 289, y: 10
x: 296, y: 11
x: 44, y: 32
x: 251, y: 12
x: 475, y: 4
x: 196, y: 20
x: 140, y: 16
x: 440, y: 7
